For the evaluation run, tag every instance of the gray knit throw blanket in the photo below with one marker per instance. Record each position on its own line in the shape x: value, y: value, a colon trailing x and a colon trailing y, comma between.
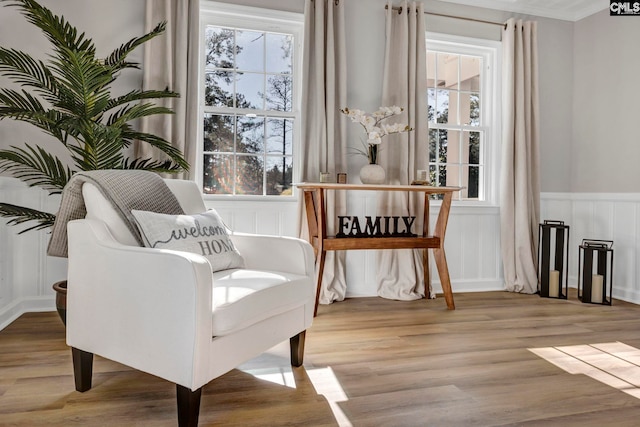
x: 125, y: 189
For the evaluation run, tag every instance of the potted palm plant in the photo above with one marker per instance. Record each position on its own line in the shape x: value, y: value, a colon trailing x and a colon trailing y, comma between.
x: 69, y: 96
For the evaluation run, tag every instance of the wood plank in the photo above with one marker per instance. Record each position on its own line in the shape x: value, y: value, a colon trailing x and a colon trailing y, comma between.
x: 378, y: 187
x: 348, y: 243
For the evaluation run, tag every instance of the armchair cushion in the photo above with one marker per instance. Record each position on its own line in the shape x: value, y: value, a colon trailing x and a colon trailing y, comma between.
x: 204, y: 234
x: 242, y: 297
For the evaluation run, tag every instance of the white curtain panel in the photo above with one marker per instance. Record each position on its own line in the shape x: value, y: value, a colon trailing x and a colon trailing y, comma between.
x: 171, y: 61
x: 520, y: 175
x: 323, y: 125
x: 400, y: 273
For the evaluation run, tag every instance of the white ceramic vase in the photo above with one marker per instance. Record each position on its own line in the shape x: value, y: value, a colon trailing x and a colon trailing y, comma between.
x: 372, y: 174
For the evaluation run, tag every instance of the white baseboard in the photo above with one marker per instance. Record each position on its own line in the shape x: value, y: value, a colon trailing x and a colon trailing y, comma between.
x: 25, y: 305
x: 457, y: 286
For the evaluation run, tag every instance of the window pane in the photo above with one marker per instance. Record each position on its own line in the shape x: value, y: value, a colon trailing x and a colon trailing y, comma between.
x: 453, y: 146
x: 250, y: 135
x: 443, y: 143
x: 433, y: 144
x: 448, y: 70
x: 279, y: 53
x: 470, y: 73
x: 473, y: 139
x: 279, y: 92
x: 218, y: 174
x: 250, y: 51
x: 431, y: 105
x: 218, y: 90
x: 443, y: 110
x: 442, y: 176
x: 279, y: 175
x: 473, y: 185
x: 219, y: 47
x: 470, y: 108
x: 218, y: 132
x: 452, y: 175
x: 250, y: 90
x: 431, y: 69
x: 434, y: 179
x: 279, y: 136
x: 250, y: 175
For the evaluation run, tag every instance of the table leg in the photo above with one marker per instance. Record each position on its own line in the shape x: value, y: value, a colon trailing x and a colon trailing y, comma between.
x: 445, y: 280
x: 319, y: 271
x: 312, y: 220
x: 439, y: 255
x: 425, y: 252
x: 322, y: 234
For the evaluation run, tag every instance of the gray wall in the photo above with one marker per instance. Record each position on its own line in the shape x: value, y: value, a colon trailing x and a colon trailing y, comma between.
x: 606, y: 105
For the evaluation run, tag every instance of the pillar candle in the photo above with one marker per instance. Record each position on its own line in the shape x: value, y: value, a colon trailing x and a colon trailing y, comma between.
x: 554, y: 283
x: 596, y: 288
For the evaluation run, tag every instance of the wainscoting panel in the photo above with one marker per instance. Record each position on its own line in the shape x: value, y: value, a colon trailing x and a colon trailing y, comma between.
x: 600, y: 216
x: 472, y: 243
x: 27, y: 272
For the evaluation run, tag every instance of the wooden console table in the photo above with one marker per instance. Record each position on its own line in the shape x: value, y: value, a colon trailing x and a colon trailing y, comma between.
x: 314, y: 200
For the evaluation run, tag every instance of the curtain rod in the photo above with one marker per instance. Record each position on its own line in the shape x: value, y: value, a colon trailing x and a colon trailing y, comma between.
x: 502, y: 24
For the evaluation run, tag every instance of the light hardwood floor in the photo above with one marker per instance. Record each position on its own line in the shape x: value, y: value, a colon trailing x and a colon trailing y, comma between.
x: 368, y: 362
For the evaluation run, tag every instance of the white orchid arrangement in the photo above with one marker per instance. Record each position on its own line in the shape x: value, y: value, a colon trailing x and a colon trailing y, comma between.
x: 374, y: 129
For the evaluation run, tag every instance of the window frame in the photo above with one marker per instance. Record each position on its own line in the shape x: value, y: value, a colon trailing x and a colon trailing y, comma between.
x: 490, y: 102
x: 252, y: 19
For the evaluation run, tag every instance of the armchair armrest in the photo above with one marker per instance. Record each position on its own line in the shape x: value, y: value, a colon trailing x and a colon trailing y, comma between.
x: 287, y: 254
x: 162, y: 299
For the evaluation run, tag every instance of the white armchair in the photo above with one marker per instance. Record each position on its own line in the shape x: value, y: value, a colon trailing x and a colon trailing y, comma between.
x: 164, y: 312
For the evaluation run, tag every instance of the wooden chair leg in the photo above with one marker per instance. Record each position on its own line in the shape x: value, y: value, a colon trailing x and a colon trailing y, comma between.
x: 188, y: 406
x: 297, y: 349
x: 82, y: 369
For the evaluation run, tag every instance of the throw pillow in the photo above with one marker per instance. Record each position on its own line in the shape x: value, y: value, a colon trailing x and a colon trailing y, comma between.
x: 204, y: 234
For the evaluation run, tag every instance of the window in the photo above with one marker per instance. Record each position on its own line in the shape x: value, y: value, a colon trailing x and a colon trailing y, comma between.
x: 461, y: 96
x: 250, y: 100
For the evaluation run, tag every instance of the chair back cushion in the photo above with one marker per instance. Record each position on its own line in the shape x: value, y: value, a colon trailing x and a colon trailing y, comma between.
x: 98, y: 207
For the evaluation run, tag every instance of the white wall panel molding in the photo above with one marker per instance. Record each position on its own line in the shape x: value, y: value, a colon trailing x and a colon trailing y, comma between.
x: 472, y: 243
x: 26, y: 272
x: 603, y: 216
x: 10, y: 312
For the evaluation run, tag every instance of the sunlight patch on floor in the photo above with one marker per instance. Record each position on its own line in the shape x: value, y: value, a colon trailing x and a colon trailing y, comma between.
x: 324, y: 382
x: 615, y: 364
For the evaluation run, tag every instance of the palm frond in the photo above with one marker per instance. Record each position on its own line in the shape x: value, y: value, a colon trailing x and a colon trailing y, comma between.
x: 12, y: 102
x: 99, y: 147
x: 25, y: 107
x: 83, y: 83
x: 136, y: 111
x: 36, y: 167
x: 158, y: 166
x: 23, y: 69
x: 161, y: 144
x: 20, y: 215
x: 117, y: 58
x: 139, y: 95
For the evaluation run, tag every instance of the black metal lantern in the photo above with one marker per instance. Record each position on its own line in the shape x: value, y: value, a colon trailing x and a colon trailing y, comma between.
x: 595, y: 271
x: 553, y: 253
